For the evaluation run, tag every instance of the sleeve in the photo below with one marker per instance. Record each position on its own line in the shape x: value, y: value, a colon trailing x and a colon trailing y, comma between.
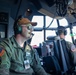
x: 72, y: 53
x: 73, y: 47
x: 70, y: 46
x: 4, y: 62
x: 37, y: 66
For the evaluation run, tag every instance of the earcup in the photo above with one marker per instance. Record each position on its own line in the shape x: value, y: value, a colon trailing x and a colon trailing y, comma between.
x: 60, y: 31
x: 65, y: 32
x: 57, y: 33
x: 18, y: 29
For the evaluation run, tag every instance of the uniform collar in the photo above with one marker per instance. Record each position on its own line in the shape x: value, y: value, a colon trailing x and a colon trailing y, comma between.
x: 14, y: 42
x: 16, y: 45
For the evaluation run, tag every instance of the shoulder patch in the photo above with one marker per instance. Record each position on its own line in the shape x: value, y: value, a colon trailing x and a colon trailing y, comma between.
x: 2, y: 52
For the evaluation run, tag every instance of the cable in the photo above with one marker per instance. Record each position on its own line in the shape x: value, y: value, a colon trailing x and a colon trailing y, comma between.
x: 50, y: 23
x: 61, y: 7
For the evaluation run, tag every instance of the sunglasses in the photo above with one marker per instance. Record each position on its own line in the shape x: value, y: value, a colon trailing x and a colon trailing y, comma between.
x: 29, y: 26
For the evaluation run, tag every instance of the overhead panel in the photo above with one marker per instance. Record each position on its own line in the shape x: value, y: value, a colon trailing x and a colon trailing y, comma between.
x: 45, y: 7
x: 49, y: 7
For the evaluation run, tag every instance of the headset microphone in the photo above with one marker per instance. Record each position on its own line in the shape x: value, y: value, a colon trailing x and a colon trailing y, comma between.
x: 32, y: 34
x: 29, y: 40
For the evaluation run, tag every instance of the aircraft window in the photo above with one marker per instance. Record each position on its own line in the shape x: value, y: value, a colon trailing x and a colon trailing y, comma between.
x: 39, y: 35
x: 63, y: 22
x: 37, y: 38
x: 50, y: 33
x: 48, y: 21
x: 39, y: 20
x: 68, y: 36
x: 74, y: 32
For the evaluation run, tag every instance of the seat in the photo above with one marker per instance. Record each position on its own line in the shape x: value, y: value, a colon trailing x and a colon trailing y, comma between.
x: 63, y: 56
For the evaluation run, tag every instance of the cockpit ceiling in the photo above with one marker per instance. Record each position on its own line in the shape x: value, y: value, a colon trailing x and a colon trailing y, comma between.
x: 45, y: 7
x: 9, y: 1
x: 48, y: 7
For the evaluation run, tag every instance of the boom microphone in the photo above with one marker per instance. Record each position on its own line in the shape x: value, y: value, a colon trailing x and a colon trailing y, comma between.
x: 32, y: 34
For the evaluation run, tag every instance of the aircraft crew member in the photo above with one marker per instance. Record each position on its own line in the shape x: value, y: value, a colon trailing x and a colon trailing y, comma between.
x: 61, y: 32
x: 17, y: 58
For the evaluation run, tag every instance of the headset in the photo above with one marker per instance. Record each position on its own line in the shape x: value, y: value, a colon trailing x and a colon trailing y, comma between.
x: 17, y: 28
x: 60, y: 30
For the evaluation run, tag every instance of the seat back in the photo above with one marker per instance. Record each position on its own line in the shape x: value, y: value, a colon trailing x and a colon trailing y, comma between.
x: 63, y: 55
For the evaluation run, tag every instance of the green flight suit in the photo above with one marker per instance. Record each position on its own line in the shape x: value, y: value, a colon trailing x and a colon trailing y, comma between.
x: 70, y: 46
x: 12, y: 61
